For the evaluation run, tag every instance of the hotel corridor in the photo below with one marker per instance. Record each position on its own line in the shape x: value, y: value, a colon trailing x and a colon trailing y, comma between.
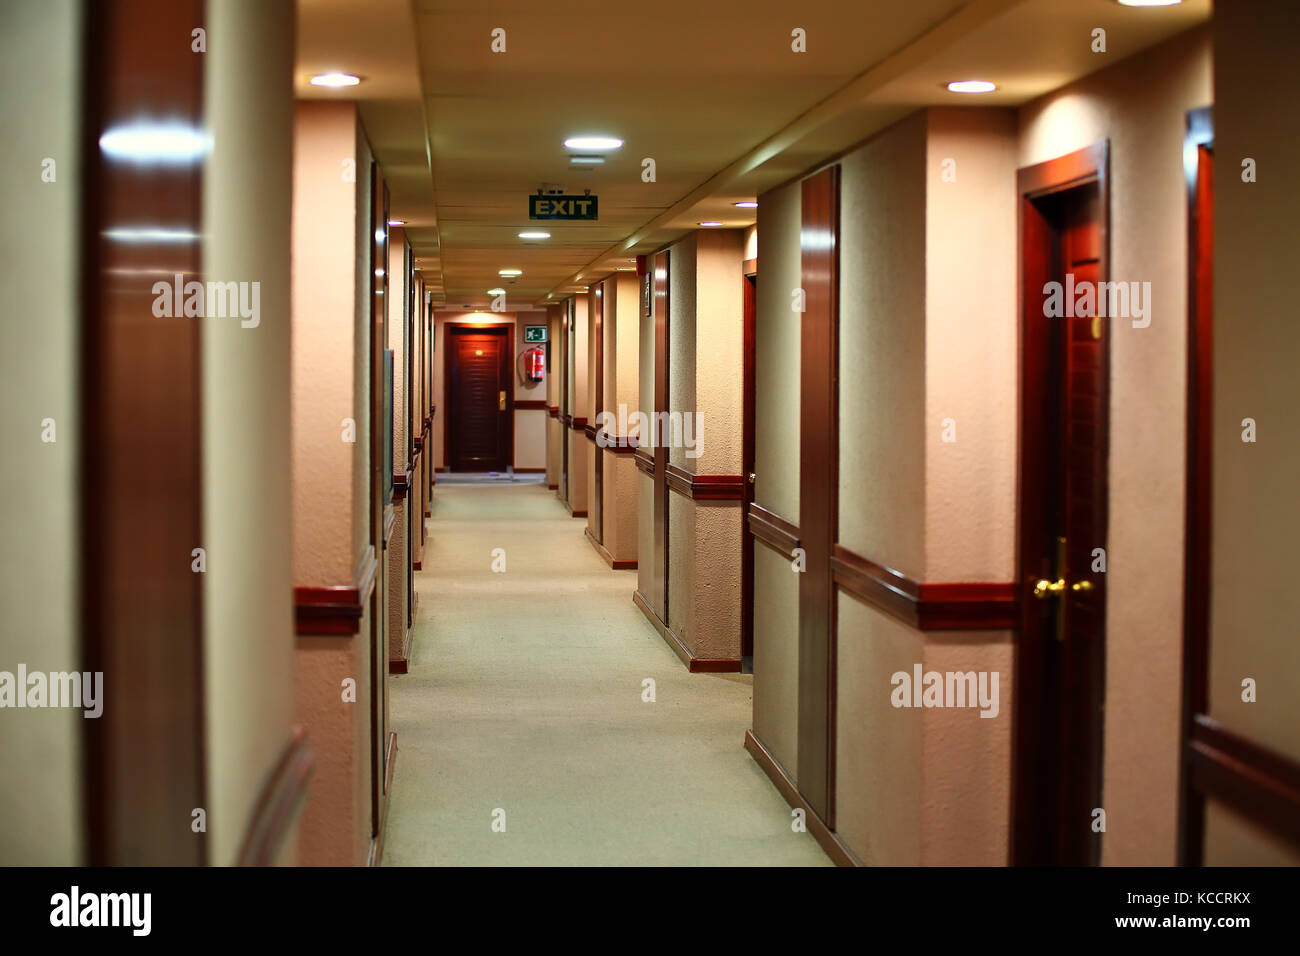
x: 525, y: 695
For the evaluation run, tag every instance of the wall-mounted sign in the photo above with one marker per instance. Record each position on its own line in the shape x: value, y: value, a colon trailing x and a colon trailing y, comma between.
x: 561, y: 207
x: 534, y: 333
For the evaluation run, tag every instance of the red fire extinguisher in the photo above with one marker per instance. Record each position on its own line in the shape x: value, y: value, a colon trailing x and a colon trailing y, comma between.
x: 534, y: 364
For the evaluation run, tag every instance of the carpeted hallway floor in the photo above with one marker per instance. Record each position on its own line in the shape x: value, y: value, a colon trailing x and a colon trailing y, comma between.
x: 525, y: 695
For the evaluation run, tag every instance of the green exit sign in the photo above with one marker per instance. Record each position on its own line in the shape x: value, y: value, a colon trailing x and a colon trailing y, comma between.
x: 534, y: 333
x: 561, y: 207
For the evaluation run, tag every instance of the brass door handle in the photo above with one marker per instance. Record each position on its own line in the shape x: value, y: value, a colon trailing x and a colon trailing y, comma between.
x: 1044, y: 588
x: 501, y: 401
x: 752, y: 477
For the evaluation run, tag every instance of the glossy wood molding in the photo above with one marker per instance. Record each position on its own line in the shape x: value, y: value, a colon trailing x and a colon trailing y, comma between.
x: 589, y: 431
x: 553, y: 411
x: 928, y: 607
x: 337, y: 610
x: 618, y: 444
x: 401, y: 484
x: 282, y: 796
x: 695, y: 665
x: 530, y: 405
x: 1261, y: 784
x: 705, y: 487
x: 578, y: 424
x: 773, y: 530
x: 644, y: 461
x: 566, y: 419
x: 840, y: 854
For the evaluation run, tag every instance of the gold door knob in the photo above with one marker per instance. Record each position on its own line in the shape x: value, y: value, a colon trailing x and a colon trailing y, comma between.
x: 752, y: 477
x: 1045, y: 588
x: 1081, y: 586
x: 501, y: 401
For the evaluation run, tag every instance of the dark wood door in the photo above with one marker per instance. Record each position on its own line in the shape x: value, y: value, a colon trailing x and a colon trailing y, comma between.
x: 479, y: 399
x: 598, y: 385
x: 747, y: 468
x: 1063, y: 520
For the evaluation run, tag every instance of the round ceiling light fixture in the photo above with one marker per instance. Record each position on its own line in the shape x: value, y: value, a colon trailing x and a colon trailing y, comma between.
x: 711, y: 224
x: 335, y: 80
x: 510, y: 272
x: 595, y: 143
x: 534, y: 235
x: 972, y: 86
x: 747, y: 204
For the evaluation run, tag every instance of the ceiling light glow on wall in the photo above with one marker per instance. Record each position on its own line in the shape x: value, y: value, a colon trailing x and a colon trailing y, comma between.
x: 971, y: 86
x: 592, y: 142
x: 510, y: 272
x: 710, y: 224
x: 747, y: 204
x: 335, y: 80
x: 534, y: 235
x: 586, y: 160
x: 149, y: 142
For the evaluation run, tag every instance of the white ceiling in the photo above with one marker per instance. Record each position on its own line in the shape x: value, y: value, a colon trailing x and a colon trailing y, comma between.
x: 710, y: 89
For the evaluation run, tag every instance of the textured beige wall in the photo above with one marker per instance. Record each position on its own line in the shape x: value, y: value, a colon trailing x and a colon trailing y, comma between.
x: 335, y: 824
x: 776, y: 346
x: 619, y: 490
x: 882, y: 348
x: 971, y: 340
x: 40, y: 754
x: 776, y: 463
x: 396, y: 554
x: 248, y: 588
x: 1140, y: 105
x: 325, y: 320
x: 1254, y: 601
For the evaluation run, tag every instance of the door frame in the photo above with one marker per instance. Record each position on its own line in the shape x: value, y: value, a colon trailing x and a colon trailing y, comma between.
x: 1091, y: 164
x: 596, y: 506
x: 507, y: 366
x: 661, y: 276
x: 748, y: 430
x: 1196, y: 570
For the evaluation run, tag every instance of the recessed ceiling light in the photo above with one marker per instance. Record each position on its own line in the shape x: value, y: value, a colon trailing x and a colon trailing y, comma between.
x: 710, y: 224
x: 534, y: 235
x: 510, y: 272
x: 496, y: 292
x: 747, y: 204
x: 1149, y: 3
x: 592, y: 142
x: 586, y: 160
x: 335, y: 79
x: 397, y: 222
x: 972, y: 86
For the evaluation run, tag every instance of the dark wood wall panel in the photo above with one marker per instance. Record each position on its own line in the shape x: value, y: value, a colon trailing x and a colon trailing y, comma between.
x: 818, y: 481
x: 141, y: 448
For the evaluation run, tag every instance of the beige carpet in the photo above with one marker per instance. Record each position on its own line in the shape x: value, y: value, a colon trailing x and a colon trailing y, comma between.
x: 525, y: 695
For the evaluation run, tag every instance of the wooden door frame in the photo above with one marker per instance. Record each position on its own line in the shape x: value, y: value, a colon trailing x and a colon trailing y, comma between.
x: 144, y: 760
x: 661, y: 277
x: 596, y: 506
x: 818, y: 485
x: 1199, y: 475
x: 508, y: 366
x: 749, y: 404
x: 380, y: 470
x: 1033, y: 183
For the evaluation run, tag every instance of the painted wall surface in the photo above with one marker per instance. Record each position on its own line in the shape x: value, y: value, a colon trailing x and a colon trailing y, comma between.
x: 1256, y: 516
x: 530, y: 424
x: 248, y: 587
x: 622, y: 330
x: 1140, y: 105
x: 328, y: 472
x: 40, y: 753
x: 882, y: 348
x: 396, y: 554
x: 776, y: 453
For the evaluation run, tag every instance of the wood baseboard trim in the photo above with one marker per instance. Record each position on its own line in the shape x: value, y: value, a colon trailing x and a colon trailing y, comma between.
x: 960, y: 606
x: 417, y: 565
x: 335, y: 610
x: 840, y: 854
x: 401, y: 663
x: 279, y: 803
x: 694, y: 665
x: 552, y: 487
x: 377, y: 841
x: 531, y: 405
x: 580, y: 513
x: 615, y: 564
